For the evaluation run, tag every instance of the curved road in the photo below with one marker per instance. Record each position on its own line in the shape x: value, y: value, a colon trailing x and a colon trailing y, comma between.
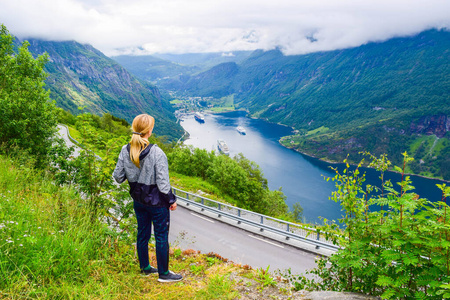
x: 63, y: 132
x: 191, y: 230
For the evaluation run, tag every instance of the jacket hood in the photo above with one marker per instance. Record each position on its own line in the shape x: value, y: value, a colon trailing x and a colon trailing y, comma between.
x: 144, y: 153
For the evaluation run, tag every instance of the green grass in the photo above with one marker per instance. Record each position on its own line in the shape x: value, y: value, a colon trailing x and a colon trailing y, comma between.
x: 223, y: 104
x: 195, y: 184
x: 228, y: 101
x: 440, y: 145
x: 74, y: 133
x: 321, y: 129
x: 427, y: 140
x: 176, y: 101
x: 52, y: 248
x: 222, y: 109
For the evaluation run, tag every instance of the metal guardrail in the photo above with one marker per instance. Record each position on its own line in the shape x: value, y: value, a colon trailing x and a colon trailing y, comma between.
x: 69, y: 136
x: 287, y: 229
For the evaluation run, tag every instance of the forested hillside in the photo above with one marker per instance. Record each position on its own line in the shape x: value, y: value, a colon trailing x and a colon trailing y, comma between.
x: 382, y: 97
x: 81, y: 76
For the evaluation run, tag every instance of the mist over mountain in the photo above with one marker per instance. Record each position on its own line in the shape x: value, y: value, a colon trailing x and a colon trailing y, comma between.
x: 82, y: 76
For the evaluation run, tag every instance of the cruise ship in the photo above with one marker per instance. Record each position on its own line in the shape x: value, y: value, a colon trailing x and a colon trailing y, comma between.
x: 223, y: 147
x: 199, y: 117
x: 241, y: 130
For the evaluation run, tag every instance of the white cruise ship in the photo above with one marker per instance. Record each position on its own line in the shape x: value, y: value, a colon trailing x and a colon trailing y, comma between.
x: 241, y: 130
x: 199, y: 117
x: 223, y: 147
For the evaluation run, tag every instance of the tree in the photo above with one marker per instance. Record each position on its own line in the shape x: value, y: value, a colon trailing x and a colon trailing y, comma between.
x: 297, y: 211
x: 27, y: 115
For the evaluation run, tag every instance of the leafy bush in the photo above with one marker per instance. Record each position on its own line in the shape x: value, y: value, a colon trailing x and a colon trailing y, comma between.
x: 400, y: 251
x: 238, y: 177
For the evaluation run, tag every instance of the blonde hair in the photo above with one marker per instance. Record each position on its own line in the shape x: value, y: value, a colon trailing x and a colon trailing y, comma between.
x: 142, y: 124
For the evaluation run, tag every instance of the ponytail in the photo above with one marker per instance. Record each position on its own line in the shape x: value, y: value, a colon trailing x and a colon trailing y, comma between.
x: 142, y: 125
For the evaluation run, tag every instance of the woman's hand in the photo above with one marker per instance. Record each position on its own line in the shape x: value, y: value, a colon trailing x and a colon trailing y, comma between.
x: 173, y: 206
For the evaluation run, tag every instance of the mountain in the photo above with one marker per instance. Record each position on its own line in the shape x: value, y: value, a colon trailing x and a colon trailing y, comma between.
x: 385, y: 97
x: 206, y: 60
x: 153, y: 69
x: 82, y: 76
x: 158, y: 67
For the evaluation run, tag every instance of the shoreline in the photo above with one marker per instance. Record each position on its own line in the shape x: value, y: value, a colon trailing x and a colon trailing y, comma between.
x: 352, y: 164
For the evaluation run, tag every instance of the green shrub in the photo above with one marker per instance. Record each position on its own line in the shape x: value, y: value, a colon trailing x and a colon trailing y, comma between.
x: 238, y: 178
x: 400, y: 251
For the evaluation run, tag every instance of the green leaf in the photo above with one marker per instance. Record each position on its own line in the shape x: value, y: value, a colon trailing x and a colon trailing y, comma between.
x: 398, y: 169
x: 384, y: 280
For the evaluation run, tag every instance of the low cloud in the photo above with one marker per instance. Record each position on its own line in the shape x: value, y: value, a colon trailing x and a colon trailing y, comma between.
x: 181, y: 26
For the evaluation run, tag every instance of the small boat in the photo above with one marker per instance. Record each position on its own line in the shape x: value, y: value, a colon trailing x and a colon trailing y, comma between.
x: 223, y: 147
x: 241, y: 130
x: 199, y: 117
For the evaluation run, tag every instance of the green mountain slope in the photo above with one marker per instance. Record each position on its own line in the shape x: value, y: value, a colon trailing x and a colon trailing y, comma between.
x: 153, y: 69
x: 81, y: 76
x: 380, y: 97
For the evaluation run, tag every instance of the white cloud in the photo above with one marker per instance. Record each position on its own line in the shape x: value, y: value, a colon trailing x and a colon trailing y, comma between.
x: 181, y: 26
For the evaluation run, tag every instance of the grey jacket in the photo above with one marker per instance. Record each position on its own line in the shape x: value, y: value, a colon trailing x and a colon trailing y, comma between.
x: 149, y: 184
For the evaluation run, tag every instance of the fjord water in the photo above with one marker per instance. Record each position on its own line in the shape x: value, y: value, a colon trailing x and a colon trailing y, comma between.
x: 301, y: 178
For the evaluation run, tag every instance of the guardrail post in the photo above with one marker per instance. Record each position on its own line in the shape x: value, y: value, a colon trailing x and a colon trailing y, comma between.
x: 262, y: 222
x: 218, y: 206
x: 287, y: 229
x: 318, y: 237
x: 203, y: 203
x: 239, y: 215
x: 187, y: 198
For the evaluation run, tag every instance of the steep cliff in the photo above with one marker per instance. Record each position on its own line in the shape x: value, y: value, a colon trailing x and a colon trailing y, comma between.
x: 81, y: 76
x: 437, y: 125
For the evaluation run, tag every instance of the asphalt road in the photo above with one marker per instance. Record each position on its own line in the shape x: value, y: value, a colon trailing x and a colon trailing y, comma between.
x: 190, y: 230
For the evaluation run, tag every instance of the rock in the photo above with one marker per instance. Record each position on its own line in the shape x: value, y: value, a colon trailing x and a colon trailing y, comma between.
x: 438, y: 125
x: 326, y: 295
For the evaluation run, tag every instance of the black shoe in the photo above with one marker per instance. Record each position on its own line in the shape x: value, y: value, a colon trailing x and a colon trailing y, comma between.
x: 170, y: 277
x: 148, y: 272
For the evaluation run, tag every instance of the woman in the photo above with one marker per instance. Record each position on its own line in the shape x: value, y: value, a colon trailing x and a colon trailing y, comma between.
x: 145, y: 167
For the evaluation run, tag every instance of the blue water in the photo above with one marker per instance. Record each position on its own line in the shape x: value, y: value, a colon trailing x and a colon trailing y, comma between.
x: 301, y: 178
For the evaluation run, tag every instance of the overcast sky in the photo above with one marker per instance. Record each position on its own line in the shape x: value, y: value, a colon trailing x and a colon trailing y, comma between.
x: 192, y: 26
